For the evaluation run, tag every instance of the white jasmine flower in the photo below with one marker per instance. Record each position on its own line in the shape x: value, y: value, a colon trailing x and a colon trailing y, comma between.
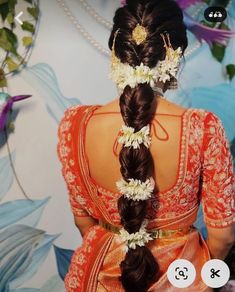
x: 124, y: 74
x: 135, y: 189
x: 139, y: 238
x: 129, y: 138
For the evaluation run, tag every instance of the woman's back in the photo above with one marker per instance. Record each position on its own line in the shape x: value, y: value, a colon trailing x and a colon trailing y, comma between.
x: 102, y: 130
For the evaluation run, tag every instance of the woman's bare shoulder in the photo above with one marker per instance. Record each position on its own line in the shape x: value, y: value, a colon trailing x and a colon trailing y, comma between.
x: 168, y: 107
x: 163, y: 107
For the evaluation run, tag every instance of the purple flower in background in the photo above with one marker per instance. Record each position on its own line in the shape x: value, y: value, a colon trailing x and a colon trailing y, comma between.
x: 206, y: 33
x: 186, y: 3
x: 6, y: 103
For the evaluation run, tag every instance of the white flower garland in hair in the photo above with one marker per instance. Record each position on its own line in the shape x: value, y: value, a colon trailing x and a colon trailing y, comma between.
x: 169, y: 67
x: 129, y: 138
x: 139, y: 238
x: 123, y: 74
x: 135, y: 189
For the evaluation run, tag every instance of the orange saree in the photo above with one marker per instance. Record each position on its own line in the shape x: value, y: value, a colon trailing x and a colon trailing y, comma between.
x: 95, y: 264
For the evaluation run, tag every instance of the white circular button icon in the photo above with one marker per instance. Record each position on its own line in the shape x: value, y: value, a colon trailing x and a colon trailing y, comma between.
x: 181, y: 273
x: 215, y: 273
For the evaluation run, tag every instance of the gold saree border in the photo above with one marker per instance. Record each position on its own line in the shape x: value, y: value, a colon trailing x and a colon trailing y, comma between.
x: 91, y: 282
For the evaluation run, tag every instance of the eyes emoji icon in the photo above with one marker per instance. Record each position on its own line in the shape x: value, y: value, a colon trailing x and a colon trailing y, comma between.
x: 215, y: 14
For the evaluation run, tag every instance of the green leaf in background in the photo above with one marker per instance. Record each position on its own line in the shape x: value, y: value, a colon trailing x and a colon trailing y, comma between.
x: 230, y: 71
x: 27, y: 41
x: 223, y: 26
x: 218, y: 51
x: 8, y: 40
x: 11, y: 5
x: 220, y: 3
x: 34, y: 11
x: 3, y: 81
x: 12, y: 66
x: 3, y: 1
x: 4, y: 10
x: 28, y: 26
x: 207, y: 23
x: 10, y: 18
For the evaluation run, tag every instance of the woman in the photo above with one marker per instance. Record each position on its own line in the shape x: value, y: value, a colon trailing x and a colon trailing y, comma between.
x: 135, y: 205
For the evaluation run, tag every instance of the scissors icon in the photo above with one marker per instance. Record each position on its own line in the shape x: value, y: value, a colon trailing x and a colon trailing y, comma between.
x: 214, y: 273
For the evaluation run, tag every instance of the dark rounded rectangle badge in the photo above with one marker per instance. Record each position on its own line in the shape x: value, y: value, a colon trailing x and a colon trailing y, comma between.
x: 215, y: 14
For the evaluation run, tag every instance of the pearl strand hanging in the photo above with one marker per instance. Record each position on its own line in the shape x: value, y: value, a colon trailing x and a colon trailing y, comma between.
x: 107, y: 24
x: 84, y: 33
x: 193, y: 49
x: 197, y: 43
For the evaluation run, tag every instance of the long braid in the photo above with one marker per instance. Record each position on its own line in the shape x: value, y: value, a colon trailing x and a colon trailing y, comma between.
x: 138, y: 105
x: 139, y: 268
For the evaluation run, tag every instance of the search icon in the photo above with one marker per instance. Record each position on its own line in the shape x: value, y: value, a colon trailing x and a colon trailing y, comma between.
x: 181, y: 273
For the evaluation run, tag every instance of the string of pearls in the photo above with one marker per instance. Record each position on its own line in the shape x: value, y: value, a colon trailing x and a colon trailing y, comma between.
x: 197, y: 44
x: 199, y: 10
x: 83, y: 32
x: 188, y: 52
x: 107, y: 24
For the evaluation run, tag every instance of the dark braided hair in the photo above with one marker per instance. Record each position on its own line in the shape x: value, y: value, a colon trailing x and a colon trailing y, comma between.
x: 138, y: 106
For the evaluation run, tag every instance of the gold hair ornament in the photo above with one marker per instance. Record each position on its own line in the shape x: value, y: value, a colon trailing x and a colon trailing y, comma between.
x: 171, y: 54
x: 114, y: 58
x: 139, y: 34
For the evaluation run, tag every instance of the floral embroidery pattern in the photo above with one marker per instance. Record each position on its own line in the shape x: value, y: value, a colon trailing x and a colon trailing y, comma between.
x: 79, y: 261
x: 77, y: 195
x: 218, y: 179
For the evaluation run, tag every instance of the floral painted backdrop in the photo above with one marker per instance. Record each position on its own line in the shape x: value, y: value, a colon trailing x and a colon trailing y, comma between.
x: 56, y: 58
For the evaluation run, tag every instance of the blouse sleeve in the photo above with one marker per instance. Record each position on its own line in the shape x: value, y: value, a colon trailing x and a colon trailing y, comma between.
x: 65, y: 154
x: 218, y: 181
